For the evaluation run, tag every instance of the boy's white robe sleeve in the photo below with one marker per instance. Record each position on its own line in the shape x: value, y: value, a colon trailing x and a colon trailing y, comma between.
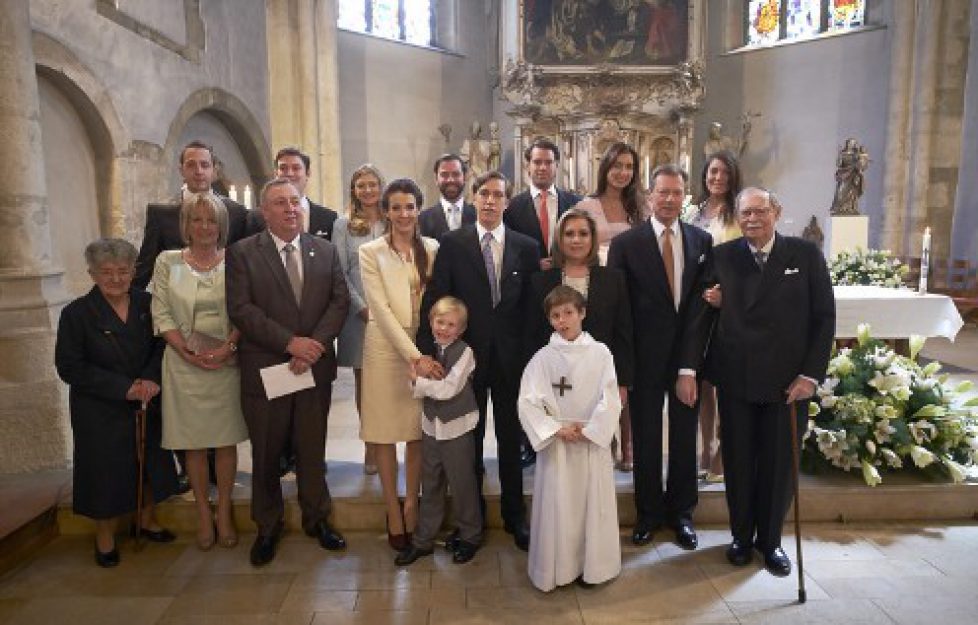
x: 601, y: 426
x: 537, y: 406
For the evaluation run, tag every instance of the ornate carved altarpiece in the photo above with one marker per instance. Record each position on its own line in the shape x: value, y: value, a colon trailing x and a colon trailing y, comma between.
x: 591, y: 72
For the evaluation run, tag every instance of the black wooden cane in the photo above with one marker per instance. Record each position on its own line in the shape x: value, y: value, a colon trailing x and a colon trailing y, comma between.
x: 141, y: 472
x: 794, y: 475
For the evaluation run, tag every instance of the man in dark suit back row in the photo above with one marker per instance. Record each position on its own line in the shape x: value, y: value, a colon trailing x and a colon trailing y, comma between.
x: 770, y: 347
x: 452, y: 211
x: 535, y: 212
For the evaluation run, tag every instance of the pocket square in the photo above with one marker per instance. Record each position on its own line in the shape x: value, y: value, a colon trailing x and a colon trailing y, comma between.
x: 702, y: 259
x: 321, y: 233
x: 790, y: 271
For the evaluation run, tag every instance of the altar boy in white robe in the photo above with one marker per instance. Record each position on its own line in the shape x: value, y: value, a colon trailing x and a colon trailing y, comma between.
x: 569, y: 407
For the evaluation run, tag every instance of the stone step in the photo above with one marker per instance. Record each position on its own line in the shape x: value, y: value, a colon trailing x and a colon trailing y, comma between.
x: 358, y: 505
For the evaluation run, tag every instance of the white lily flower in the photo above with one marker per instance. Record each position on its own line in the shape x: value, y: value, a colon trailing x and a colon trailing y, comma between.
x: 921, y: 457
x: 870, y: 475
x: 892, y: 459
x: 916, y: 344
x: 957, y: 471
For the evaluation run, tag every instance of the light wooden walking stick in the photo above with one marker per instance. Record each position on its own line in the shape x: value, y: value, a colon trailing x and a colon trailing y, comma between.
x: 141, y: 471
x: 794, y: 475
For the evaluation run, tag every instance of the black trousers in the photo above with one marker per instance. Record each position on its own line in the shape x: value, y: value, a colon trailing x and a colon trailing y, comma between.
x: 654, y: 505
x: 505, y: 390
x: 757, y: 459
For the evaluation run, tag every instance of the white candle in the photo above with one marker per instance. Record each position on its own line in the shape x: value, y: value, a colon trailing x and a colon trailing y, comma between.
x: 233, y: 193
x: 247, y: 196
x: 924, y: 261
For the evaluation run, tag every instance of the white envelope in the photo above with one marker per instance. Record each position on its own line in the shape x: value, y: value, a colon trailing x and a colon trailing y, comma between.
x: 279, y: 380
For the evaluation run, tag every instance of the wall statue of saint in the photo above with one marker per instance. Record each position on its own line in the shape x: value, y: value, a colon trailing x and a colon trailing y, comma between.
x: 849, y: 167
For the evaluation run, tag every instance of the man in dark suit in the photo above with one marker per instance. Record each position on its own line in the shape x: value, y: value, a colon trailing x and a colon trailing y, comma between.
x: 287, y: 294
x: 771, y: 346
x: 162, y: 230
x: 663, y: 260
x: 488, y: 265
x: 535, y: 212
x: 452, y: 211
x: 293, y: 164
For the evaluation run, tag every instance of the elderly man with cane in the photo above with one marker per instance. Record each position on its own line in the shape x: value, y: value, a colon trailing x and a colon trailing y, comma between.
x: 770, y: 345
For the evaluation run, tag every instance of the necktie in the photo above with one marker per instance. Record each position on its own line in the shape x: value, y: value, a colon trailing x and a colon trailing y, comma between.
x: 545, y: 221
x: 760, y: 257
x: 669, y: 261
x: 490, y: 268
x: 292, y: 269
x: 453, y: 218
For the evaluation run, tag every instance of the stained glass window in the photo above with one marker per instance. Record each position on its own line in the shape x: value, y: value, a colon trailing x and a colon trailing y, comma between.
x: 763, y: 21
x: 403, y: 20
x: 845, y: 14
x: 802, y: 18
x: 769, y: 21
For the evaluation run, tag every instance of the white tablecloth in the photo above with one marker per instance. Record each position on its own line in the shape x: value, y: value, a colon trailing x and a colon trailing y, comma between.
x: 894, y: 313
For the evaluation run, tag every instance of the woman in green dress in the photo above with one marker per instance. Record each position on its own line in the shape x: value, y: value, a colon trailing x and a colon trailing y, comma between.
x: 201, y: 384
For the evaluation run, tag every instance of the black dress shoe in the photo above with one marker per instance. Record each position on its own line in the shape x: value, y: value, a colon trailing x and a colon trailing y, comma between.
x: 642, y: 534
x: 328, y: 537
x: 777, y: 562
x: 686, y: 536
x: 161, y: 535
x: 263, y: 551
x: 410, y: 554
x: 108, y: 559
x: 739, y: 554
x: 521, y: 535
x: 528, y: 457
x: 452, y: 541
x: 464, y: 551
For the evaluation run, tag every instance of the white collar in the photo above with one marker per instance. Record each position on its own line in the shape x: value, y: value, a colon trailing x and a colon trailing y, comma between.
x: 660, y: 227
x: 304, y: 202
x: 766, y: 248
x: 582, y: 339
x: 535, y: 192
x: 498, y: 233
x: 447, y: 206
x: 279, y: 243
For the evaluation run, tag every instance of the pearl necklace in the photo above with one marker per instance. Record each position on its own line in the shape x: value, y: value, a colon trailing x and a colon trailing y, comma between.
x: 200, y: 266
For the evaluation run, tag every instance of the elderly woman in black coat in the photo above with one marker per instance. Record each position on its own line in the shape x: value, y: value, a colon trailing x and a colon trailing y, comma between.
x: 108, y: 356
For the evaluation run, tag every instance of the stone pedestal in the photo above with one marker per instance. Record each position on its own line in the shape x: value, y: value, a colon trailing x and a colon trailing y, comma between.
x: 847, y: 232
x: 33, y: 428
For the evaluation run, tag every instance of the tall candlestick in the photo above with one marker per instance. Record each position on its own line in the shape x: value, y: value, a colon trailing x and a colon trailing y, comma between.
x: 924, y: 261
x: 233, y: 193
x: 247, y: 196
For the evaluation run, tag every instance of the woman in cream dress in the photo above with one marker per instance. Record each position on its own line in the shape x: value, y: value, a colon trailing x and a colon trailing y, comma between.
x: 364, y: 223
x: 395, y: 270
x: 201, y: 384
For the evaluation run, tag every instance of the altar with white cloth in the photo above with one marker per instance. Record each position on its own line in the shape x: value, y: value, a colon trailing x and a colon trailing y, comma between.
x: 894, y: 313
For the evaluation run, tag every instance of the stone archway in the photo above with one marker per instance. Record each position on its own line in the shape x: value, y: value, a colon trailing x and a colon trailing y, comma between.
x: 236, y: 118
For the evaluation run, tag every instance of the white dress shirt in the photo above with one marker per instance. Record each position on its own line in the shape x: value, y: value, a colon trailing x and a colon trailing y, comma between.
x: 677, y: 252
x: 279, y: 244
x: 453, y: 222
x: 498, y: 242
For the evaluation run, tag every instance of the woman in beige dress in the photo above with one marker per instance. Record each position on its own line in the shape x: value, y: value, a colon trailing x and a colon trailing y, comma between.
x: 201, y: 383
x: 364, y: 223
x: 616, y: 206
x: 395, y: 270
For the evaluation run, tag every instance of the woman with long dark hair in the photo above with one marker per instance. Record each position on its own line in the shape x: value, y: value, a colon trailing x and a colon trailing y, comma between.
x: 395, y: 270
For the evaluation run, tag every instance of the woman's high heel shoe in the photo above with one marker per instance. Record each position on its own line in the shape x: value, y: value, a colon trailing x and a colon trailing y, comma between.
x: 398, y: 542
x: 107, y: 559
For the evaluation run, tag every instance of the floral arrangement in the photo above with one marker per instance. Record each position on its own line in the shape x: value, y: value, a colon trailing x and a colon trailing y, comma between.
x: 689, y: 211
x: 867, y: 267
x: 879, y: 411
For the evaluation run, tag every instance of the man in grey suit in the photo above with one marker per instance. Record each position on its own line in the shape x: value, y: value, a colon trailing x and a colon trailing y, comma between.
x: 452, y: 211
x: 287, y: 294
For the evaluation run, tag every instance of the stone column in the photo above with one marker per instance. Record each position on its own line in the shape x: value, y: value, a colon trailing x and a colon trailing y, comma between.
x: 33, y: 428
x: 303, y: 86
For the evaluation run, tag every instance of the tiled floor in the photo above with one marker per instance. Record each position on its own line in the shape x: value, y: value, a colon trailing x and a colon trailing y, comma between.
x: 878, y: 573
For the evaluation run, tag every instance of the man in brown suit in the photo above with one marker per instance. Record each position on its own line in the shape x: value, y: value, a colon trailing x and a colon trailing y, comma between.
x: 287, y: 294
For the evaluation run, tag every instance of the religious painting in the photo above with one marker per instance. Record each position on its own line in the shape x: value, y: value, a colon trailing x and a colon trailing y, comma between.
x: 591, y: 32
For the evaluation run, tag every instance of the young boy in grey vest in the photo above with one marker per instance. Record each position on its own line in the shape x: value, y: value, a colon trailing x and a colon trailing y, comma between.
x: 450, y: 414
